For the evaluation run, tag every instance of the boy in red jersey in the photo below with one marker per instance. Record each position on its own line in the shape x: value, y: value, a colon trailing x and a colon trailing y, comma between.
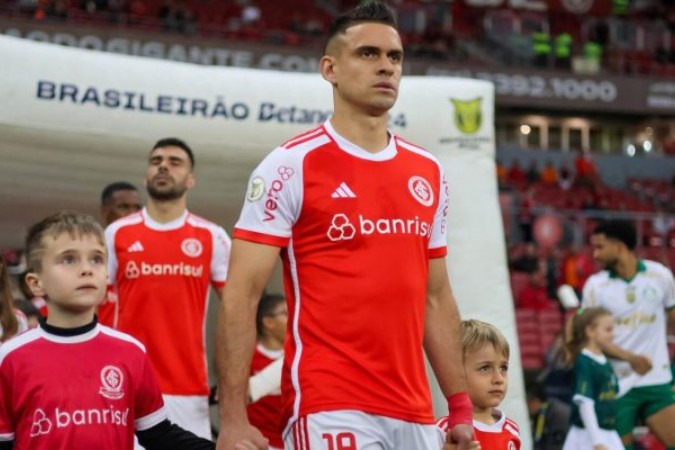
x: 72, y: 383
x: 359, y: 218
x: 486, y: 361
x: 271, y: 320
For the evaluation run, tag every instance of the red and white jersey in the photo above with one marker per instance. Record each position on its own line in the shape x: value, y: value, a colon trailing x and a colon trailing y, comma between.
x: 89, y: 391
x: 504, y: 434
x: 357, y: 231
x: 161, y: 274
x: 265, y: 414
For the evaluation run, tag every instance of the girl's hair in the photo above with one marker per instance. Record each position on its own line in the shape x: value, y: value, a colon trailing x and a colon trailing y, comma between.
x: 576, y: 329
x: 9, y: 324
x: 476, y: 334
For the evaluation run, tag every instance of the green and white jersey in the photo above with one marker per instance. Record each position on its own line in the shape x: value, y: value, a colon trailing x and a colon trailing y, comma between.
x: 594, y: 381
x: 639, y: 308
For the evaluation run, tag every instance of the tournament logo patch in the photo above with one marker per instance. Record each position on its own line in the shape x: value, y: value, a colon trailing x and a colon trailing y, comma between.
x: 191, y: 247
x: 421, y: 190
x: 468, y: 115
x: 112, y: 381
x: 256, y: 190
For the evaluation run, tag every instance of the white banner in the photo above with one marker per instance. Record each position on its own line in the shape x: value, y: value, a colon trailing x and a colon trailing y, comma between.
x: 241, y: 114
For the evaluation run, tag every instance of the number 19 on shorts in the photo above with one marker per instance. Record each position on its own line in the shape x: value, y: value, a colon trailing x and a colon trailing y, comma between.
x: 340, y: 441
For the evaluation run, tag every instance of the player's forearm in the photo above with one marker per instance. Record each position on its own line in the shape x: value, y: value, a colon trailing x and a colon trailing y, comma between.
x: 614, y: 351
x: 442, y: 343
x: 235, y: 343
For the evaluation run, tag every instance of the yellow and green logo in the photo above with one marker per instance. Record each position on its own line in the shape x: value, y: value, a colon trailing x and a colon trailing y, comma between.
x: 468, y: 114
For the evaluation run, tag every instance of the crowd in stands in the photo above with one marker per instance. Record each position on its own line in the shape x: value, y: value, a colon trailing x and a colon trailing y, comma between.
x: 626, y: 41
x: 566, y: 203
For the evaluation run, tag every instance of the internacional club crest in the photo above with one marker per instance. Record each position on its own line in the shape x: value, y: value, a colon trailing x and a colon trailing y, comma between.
x: 421, y: 190
x: 192, y: 247
x: 112, y: 382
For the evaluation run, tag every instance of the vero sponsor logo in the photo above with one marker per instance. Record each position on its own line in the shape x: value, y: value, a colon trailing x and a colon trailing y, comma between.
x: 343, y: 229
x: 272, y: 197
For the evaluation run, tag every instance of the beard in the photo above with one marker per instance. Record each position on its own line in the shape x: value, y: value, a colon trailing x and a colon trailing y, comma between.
x: 610, y: 264
x: 167, y: 194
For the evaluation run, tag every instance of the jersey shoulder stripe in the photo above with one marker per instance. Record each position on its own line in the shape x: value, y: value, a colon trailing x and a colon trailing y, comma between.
x: 17, y: 342
x: 122, y: 337
x: 312, y: 132
x: 200, y: 222
x: 130, y: 220
x: 512, y: 423
x: 416, y: 149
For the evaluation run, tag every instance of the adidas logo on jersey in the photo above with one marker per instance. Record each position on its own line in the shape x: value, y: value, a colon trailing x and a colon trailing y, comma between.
x: 135, y: 247
x: 343, y: 191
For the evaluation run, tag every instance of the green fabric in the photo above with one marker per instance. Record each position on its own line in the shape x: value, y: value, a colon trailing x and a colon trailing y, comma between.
x: 597, y: 382
x: 642, y: 402
x: 593, y: 50
x: 563, y: 45
x: 541, y: 43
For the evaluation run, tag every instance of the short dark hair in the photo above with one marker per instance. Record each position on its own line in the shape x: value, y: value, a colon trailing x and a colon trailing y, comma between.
x: 73, y: 223
x: 175, y: 142
x: 266, y: 307
x: 367, y: 11
x: 109, y: 190
x: 619, y: 230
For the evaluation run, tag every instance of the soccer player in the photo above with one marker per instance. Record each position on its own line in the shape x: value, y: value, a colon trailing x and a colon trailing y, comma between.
x: 595, y: 384
x: 271, y: 321
x: 486, y: 361
x: 72, y: 383
x: 118, y: 200
x: 358, y: 215
x: 640, y: 294
x: 162, y: 260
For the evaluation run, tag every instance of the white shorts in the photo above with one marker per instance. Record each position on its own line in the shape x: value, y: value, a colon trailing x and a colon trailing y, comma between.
x: 190, y: 412
x: 356, y: 430
x: 580, y: 439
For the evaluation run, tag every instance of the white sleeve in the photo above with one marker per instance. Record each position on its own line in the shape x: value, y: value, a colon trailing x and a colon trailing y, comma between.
x: 439, y: 230
x: 266, y: 382
x: 274, y: 195
x: 669, y: 294
x: 588, y: 417
x: 588, y: 295
x: 112, y: 256
x: 221, y: 254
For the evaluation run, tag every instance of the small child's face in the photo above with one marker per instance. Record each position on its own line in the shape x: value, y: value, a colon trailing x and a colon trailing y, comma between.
x: 486, y: 376
x: 73, y: 275
x: 602, y: 330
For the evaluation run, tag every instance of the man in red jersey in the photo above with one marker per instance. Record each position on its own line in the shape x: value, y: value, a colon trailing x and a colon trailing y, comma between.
x: 358, y: 216
x: 162, y: 260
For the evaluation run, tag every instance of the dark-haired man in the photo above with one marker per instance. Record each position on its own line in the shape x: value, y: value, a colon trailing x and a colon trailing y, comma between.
x: 360, y: 315
x: 641, y: 296
x: 161, y: 262
x: 119, y: 199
